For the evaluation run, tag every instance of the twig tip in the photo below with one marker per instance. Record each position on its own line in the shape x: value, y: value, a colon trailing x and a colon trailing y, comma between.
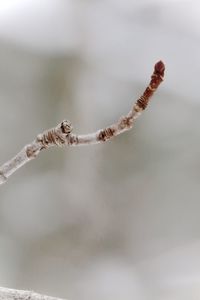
x: 160, y: 68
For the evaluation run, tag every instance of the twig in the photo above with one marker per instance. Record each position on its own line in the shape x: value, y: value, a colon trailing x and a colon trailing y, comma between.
x: 61, y: 134
x: 11, y: 294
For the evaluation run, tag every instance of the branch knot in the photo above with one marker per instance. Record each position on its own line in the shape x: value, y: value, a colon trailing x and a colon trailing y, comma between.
x: 55, y: 136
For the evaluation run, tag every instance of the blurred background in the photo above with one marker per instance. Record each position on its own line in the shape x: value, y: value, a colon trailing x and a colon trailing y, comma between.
x: 113, y: 221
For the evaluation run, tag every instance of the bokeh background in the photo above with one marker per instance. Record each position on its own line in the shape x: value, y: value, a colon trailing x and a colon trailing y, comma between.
x: 113, y: 221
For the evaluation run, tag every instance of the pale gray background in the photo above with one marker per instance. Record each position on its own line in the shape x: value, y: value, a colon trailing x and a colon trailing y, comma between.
x: 113, y: 221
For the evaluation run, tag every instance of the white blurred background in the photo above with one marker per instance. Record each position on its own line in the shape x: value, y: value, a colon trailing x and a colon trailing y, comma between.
x: 112, y: 221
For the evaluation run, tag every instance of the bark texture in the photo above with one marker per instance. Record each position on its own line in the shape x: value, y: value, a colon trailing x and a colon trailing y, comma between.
x: 11, y: 294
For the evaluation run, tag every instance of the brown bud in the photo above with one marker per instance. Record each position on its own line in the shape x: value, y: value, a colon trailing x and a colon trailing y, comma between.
x: 159, y: 68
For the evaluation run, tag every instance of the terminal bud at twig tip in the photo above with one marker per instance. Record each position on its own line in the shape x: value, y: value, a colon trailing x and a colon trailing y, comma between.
x: 160, y: 68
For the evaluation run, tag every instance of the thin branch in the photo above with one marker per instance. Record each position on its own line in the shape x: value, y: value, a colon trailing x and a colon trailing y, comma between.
x: 11, y: 294
x: 62, y: 134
